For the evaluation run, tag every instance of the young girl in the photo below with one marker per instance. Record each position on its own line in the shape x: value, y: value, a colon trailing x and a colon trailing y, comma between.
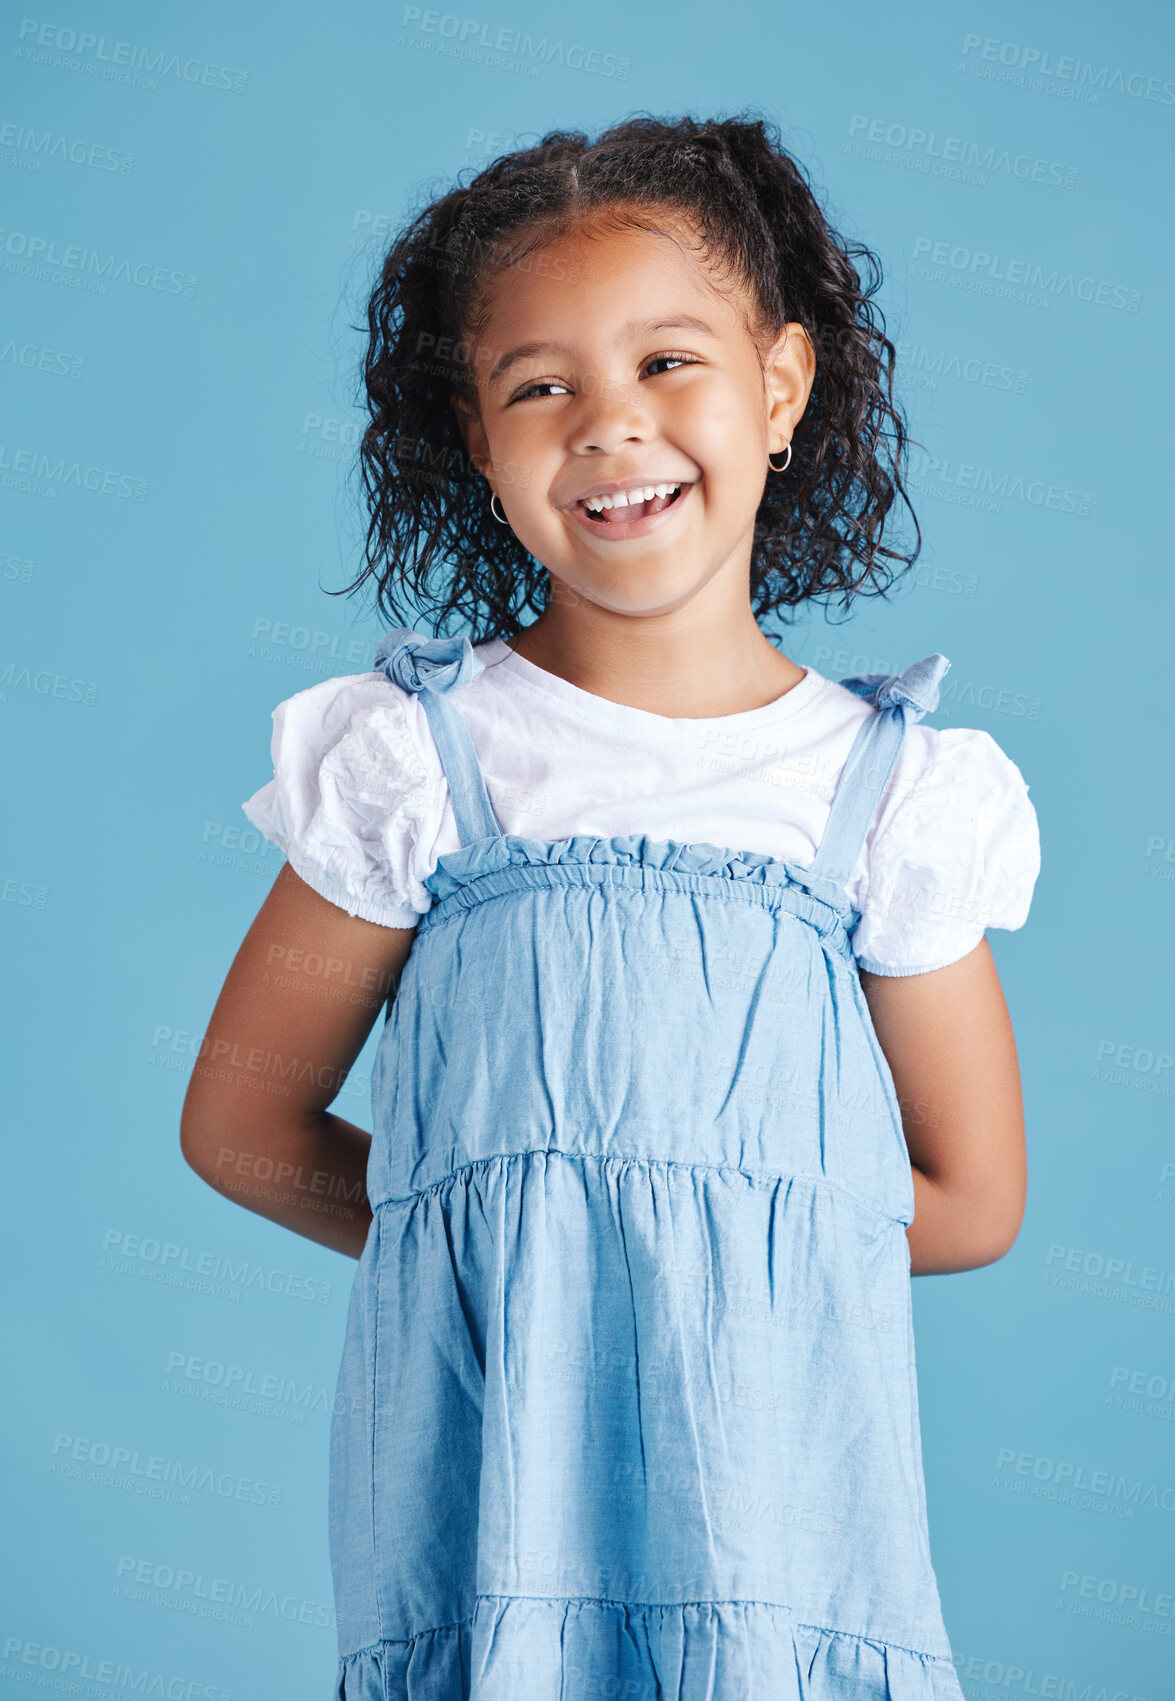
x: 694, y: 1049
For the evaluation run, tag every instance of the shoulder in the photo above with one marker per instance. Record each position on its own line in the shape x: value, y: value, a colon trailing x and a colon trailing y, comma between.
x: 360, y: 734
x: 954, y: 848
x: 325, y: 714
x: 356, y: 795
x: 936, y: 768
x: 955, y: 768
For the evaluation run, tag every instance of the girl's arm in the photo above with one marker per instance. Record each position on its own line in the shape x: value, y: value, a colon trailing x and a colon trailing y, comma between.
x: 948, y: 1040
x: 300, y: 999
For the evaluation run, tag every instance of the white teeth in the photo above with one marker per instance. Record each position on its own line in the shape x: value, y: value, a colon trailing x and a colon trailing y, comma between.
x: 624, y: 497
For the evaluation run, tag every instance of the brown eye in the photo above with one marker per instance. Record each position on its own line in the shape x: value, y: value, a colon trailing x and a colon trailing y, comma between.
x: 539, y: 384
x: 680, y: 359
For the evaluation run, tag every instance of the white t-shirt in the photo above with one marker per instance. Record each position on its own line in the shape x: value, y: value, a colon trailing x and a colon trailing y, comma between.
x: 360, y: 806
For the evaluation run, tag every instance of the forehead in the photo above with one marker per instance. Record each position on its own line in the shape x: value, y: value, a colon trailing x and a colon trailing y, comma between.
x: 607, y: 273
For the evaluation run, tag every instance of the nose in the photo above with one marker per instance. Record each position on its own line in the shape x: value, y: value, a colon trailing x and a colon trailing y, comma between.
x: 609, y: 414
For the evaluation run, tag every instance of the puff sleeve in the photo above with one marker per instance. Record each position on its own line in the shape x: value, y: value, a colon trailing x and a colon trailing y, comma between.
x: 958, y: 853
x: 352, y: 801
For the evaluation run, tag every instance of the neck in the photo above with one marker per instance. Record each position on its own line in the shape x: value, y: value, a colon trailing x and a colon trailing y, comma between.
x: 682, y: 665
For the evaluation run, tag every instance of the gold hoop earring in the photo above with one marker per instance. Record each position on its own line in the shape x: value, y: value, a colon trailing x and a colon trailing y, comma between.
x: 786, y: 463
x: 501, y: 518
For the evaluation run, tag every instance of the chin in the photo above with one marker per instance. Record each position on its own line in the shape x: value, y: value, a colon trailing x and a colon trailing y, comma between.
x: 637, y: 594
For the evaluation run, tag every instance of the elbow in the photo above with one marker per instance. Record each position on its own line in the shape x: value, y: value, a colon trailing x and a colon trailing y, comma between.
x: 955, y: 1251
x: 992, y: 1234
x: 202, y: 1143
x: 212, y: 1126
x: 193, y: 1141
x: 998, y: 1221
x: 991, y: 1247
x: 194, y: 1146
x: 191, y: 1149
x: 963, y: 1228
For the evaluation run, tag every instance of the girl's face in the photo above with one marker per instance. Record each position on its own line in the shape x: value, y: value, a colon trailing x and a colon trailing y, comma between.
x: 611, y: 361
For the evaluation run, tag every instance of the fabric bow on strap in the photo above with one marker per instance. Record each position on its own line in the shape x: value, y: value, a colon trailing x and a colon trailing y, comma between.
x: 915, y: 690
x: 413, y: 661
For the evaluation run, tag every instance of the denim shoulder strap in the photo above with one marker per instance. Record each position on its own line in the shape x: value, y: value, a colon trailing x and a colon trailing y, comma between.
x: 898, y: 700
x: 433, y: 668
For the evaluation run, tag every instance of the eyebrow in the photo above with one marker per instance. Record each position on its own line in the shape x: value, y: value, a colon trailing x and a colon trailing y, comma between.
x: 634, y: 328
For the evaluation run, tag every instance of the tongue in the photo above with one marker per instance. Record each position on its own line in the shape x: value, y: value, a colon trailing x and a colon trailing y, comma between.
x: 634, y: 511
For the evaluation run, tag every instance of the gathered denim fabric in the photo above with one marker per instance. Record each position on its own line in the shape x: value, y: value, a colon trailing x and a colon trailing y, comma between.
x: 627, y: 1405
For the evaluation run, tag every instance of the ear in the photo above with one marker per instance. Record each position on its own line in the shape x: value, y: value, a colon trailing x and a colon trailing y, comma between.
x: 472, y: 434
x: 789, y: 371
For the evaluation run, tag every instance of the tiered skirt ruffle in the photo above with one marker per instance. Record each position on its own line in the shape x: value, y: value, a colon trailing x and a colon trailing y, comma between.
x: 536, y: 1649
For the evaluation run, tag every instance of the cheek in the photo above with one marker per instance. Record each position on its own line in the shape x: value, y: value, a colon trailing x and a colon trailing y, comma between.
x: 524, y: 460
x: 719, y: 426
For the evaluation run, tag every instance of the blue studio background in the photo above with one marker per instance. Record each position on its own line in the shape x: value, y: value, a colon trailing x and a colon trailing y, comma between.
x: 194, y: 202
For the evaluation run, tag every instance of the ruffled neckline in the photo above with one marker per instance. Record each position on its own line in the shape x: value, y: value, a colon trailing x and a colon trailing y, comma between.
x: 457, y: 869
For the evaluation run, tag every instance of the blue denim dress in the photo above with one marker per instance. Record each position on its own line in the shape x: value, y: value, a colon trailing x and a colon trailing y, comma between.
x: 627, y: 1406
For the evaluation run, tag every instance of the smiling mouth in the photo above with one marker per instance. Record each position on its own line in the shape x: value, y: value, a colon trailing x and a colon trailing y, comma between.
x: 628, y: 512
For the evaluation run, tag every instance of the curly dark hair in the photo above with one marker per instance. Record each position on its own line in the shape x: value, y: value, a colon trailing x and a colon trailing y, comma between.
x: 818, y: 529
